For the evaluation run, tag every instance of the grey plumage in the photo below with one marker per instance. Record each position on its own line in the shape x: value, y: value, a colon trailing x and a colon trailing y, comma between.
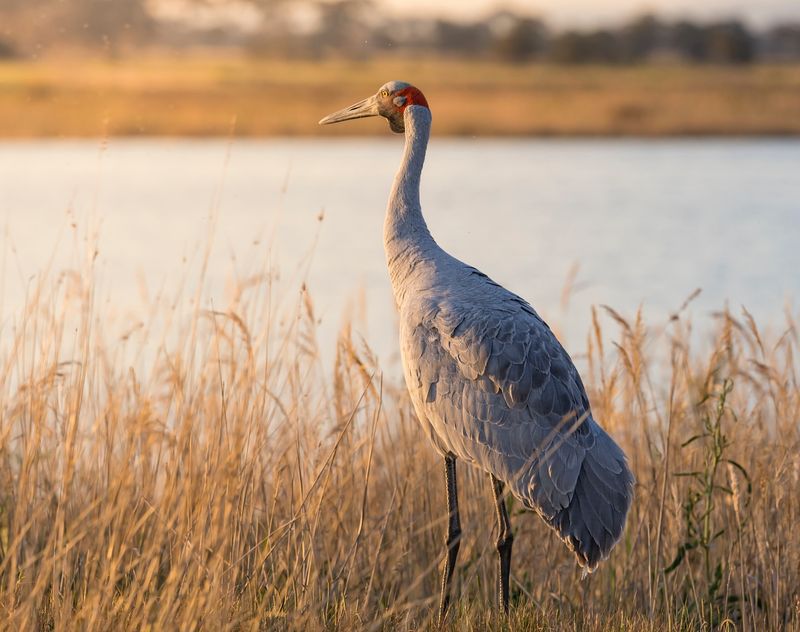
x: 489, y: 381
x: 495, y: 388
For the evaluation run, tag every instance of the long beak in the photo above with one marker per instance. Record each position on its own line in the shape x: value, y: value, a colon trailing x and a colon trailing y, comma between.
x: 362, y: 109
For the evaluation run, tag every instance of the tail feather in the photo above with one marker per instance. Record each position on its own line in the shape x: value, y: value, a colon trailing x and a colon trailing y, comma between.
x: 593, y: 521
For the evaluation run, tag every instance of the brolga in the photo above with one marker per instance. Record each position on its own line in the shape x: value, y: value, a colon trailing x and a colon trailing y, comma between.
x: 490, y: 383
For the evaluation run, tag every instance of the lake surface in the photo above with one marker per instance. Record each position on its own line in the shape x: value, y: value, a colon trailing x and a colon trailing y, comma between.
x: 647, y: 222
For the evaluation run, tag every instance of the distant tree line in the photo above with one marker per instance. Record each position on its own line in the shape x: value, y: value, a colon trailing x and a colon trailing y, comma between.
x: 346, y: 28
x: 355, y: 28
x: 29, y: 27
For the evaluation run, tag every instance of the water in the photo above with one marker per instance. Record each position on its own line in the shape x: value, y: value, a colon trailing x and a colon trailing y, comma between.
x: 647, y: 222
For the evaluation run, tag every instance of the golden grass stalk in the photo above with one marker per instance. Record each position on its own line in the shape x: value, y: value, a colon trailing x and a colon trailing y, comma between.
x: 232, y: 482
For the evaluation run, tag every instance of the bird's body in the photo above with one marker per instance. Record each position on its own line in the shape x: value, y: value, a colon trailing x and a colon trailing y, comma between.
x: 490, y: 383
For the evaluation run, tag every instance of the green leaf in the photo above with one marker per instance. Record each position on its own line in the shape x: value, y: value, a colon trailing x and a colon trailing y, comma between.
x: 682, y: 549
x: 694, y: 438
x: 744, y: 473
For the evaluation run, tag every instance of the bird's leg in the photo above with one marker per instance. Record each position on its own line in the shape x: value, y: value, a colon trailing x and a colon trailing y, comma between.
x: 453, y: 534
x: 505, y: 540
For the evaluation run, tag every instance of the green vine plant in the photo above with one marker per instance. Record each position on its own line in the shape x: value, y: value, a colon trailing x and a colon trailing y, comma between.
x: 702, y: 523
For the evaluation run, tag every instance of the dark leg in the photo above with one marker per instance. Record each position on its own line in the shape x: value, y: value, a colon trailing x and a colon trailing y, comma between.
x: 505, y: 539
x: 453, y: 534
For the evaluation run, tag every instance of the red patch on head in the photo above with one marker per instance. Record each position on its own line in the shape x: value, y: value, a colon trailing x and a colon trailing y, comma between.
x: 413, y: 97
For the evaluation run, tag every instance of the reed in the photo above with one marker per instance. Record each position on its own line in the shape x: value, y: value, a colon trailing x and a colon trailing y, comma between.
x: 229, y: 480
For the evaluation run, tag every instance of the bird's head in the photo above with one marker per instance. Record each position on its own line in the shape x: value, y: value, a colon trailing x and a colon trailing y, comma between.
x: 389, y: 102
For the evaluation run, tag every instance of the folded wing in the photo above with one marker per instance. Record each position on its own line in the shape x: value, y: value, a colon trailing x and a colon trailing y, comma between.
x: 499, y: 390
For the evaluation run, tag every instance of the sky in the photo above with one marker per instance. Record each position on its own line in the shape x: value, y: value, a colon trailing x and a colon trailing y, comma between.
x: 601, y: 12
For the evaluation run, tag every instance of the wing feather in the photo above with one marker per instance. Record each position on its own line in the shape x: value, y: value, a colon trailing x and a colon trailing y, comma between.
x: 498, y: 389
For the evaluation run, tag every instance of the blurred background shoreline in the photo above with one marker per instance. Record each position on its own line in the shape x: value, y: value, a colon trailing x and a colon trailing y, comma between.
x: 200, y: 68
x: 201, y: 96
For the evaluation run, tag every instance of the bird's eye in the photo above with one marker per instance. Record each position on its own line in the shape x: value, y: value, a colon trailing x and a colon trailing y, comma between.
x: 384, y: 93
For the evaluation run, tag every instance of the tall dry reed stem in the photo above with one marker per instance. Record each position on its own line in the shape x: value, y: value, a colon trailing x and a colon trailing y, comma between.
x: 229, y: 480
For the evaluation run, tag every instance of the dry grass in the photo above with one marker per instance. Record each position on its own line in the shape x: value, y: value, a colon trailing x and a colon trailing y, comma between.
x: 234, y: 483
x: 200, y: 96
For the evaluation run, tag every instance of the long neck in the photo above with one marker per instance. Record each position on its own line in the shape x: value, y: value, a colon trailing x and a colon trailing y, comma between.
x: 406, y: 237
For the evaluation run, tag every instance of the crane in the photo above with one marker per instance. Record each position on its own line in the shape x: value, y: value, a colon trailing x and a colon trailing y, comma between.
x: 490, y: 383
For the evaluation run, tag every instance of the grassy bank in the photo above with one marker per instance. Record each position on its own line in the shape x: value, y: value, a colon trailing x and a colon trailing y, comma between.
x: 208, y: 96
x: 234, y: 481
